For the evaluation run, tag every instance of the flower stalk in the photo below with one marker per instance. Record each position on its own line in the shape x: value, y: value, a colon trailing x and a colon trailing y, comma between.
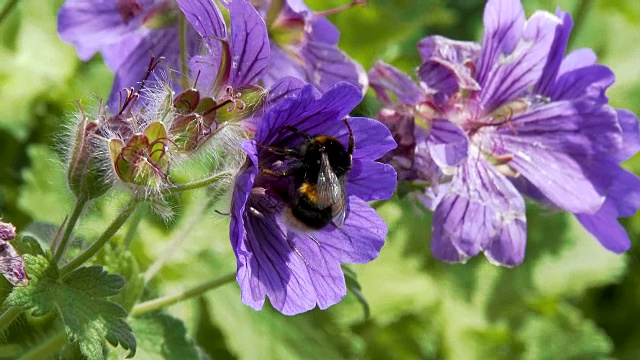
x: 159, y: 303
x: 102, y: 240
x: 81, y: 203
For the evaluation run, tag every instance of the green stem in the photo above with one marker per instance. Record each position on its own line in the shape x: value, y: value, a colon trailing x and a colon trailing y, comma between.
x: 157, y: 304
x: 47, y: 348
x: 198, y: 184
x: 8, y: 316
x: 6, y: 10
x: 81, y: 203
x: 183, y: 53
x: 98, y: 244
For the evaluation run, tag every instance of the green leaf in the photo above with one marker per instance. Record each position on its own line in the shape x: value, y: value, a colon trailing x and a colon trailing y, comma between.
x: 80, y: 299
x: 564, y: 334
x: 119, y: 260
x: 161, y: 336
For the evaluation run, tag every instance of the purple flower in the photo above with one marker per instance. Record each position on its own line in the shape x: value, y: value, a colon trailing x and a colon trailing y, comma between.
x: 512, y: 117
x: 127, y: 33
x: 11, y: 264
x: 304, y: 45
x: 234, y: 60
x: 278, y: 256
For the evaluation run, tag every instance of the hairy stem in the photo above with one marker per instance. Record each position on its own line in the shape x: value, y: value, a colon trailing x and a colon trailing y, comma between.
x: 102, y: 240
x: 8, y: 316
x: 159, y: 303
x: 47, y: 348
x: 198, y: 184
x: 78, y: 208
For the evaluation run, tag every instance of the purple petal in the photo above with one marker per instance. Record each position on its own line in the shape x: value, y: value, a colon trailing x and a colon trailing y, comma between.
x: 323, y: 270
x: 452, y: 51
x: 282, y: 65
x: 372, y: 139
x: 242, y: 190
x: 590, y: 82
x: 249, y: 44
x: 133, y: 68
x: 91, y: 25
x: 604, y: 226
x: 309, y: 113
x: 272, y: 268
x: 12, y: 265
x: 556, y: 54
x: 624, y: 192
x: 503, y: 24
x: 554, y: 148
x: 323, y: 31
x: 577, y: 59
x: 515, y: 72
x: 205, y: 17
x: 446, y: 77
x: 266, y: 264
x: 507, y: 249
x: 448, y: 143
x: 288, y: 87
x: 7, y: 231
x: 205, y: 69
x: 442, y: 248
x: 370, y: 180
x: 630, y: 134
x: 482, y: 211
x: 326, y: 65
x: 360, y: 238
x: 384, y: 77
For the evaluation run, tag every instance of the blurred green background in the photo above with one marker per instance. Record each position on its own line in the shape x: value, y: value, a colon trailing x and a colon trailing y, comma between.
x: 571, y: 299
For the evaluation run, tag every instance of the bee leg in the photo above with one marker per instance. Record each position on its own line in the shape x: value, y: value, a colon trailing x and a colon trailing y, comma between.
x: 288, y: 172
x: 351, y: 140
x: 296, y: 131
x: 280, y: 151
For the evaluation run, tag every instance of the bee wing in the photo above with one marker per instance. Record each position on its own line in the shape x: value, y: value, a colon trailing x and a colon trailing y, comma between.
x: 331, y: 191
x: 340, y: 208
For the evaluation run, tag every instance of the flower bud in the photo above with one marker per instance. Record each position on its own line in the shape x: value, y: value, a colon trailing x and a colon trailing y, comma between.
x: 87, y: 177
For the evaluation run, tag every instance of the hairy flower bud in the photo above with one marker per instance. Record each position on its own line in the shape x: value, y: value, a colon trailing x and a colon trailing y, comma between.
x: 87, y: 177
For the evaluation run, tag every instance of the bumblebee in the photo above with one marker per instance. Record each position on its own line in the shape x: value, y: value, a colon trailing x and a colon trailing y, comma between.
x: 318, y: 168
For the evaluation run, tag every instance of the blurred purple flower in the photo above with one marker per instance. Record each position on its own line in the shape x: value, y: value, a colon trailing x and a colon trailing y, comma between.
x: 127, y: 33
x: 11, y: 264
x: 508, y: 117
x: 277, y: 256
x: 304, y: 45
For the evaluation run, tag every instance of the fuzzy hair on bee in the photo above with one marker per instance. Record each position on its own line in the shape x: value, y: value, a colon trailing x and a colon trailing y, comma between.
x: 318, y: 167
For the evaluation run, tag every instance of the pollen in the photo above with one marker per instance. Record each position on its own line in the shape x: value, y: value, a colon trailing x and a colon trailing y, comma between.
x: 310, y: 191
